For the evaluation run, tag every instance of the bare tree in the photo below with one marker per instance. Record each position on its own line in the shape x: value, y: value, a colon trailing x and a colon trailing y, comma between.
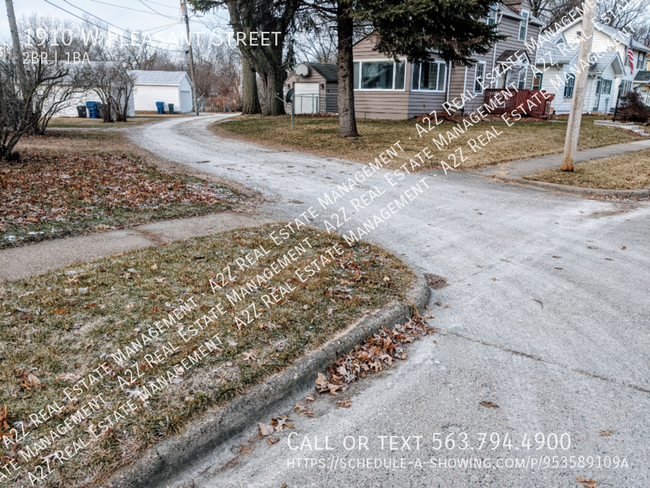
x: 113, y: 83
x: 16, y: 97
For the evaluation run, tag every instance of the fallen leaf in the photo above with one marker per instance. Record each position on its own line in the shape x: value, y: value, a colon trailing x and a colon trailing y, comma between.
x: 281, y: 422
x: 344, y: 403
x: 3, y: 418
x: 623, y: 248
x: 609, y: 259
x: 309, y: 398
x: 321, y: 382
x: 154, y: 267
x: 29, y: 380
x: 265, y: 429
x: 272, y: 440
x: 244, y: 450
x: 606, y: 433
x: 587, y: 483
x: 446, y: 306
x: 60, y: 311
x: 429, y: 316
x: 487, y: 404
x: 592, y: 247
x: 556, y: 267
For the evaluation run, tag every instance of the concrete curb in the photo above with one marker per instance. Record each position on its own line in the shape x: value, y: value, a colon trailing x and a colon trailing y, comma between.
x: 214, y: 427
x: 575, y: 190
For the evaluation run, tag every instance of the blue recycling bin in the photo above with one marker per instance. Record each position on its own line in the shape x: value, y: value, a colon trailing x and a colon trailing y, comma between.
x: 93, y: 109
x: 161, y: 107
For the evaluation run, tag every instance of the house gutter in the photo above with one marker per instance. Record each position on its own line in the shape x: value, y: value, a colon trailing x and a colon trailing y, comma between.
x: 449, y: 67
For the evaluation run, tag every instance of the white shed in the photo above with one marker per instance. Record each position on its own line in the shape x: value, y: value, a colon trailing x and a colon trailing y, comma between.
x: 162, y: 86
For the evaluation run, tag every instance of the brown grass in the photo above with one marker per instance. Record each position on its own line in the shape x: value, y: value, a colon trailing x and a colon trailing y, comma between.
x: 629, y: 171
x: 525, y: 139
x: 76, y: 182
x: 61, y: 326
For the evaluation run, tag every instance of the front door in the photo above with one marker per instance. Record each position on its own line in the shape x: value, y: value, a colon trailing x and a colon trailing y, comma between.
x: 597, y: 97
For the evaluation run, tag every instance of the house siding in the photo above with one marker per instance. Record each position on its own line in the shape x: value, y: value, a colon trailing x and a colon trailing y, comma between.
x: 146, y: 96
x: 396, y: 104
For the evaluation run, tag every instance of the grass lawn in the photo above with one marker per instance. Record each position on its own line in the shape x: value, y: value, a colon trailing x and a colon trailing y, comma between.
x: 65, y: 122
x: 629, y: 171
x: 525, y: 139
x: 59, y: 328
x: 65, y: 185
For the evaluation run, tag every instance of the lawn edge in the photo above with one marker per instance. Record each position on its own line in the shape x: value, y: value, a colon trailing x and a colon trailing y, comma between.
x: 215, y: 427
x: 575, y: 190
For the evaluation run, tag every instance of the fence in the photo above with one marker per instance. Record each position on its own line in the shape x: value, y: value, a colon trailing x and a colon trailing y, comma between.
x: 540, y: 105
x: 314, y: 103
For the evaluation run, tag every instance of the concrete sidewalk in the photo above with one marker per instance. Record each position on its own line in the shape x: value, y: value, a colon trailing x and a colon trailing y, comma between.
x: 518, y: 169
x: 32, y: 260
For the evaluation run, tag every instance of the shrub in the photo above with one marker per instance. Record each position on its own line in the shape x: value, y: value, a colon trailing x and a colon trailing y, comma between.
x: 633, y: 109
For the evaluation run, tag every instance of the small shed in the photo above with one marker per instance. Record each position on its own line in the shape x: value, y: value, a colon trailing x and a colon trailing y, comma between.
x: 162, y: 86
x: 316, y: 88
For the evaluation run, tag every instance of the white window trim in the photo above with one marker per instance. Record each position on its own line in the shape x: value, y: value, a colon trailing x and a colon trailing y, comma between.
x: 382, y: 60
x: 494, y: 9
x: 475, y: 77
x: 444, y: 81
x: 520, y: 23
x: 523, y: 70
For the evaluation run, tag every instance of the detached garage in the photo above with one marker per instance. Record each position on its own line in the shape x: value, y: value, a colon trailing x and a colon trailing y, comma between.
x: 316, y: 88
x: 162, y: 86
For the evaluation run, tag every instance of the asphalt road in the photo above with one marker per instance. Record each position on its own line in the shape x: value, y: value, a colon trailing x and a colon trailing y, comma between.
x: 548, y: 317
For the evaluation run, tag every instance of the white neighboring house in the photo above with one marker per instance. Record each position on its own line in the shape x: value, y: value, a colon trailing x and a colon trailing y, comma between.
x: 604, y: 75
x: 610, y: 68
x: 162, y: 86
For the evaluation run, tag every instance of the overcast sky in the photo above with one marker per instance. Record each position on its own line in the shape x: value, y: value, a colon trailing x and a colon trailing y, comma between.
x: 153, y: 16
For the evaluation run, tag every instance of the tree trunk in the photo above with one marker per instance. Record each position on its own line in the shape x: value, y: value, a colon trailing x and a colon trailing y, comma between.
x: 273, y: 88
x: 344, y: 62
x: 250, y: 98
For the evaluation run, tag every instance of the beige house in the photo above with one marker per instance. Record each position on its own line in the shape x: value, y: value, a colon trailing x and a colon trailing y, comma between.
x: 385, y: 89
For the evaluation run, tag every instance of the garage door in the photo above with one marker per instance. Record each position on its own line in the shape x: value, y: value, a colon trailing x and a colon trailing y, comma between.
x: 306, y: 98
x: 186, y: 101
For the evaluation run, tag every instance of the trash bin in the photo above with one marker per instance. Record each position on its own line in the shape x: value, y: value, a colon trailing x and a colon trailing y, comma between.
x: 171, y: 108
x: 93, y: 109
x: 81, y: 111
x: 161, y: 107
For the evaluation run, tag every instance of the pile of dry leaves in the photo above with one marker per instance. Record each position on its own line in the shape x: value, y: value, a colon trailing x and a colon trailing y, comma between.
x: 58, y: 188
x: 376, y: 353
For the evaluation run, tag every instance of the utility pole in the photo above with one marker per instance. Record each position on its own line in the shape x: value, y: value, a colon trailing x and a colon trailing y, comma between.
x: 15, y: 38
x: 189, y: 47
x: 575, y: 117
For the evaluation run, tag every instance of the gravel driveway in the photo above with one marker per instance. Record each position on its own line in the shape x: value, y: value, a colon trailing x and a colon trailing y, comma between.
x: 547, y: 315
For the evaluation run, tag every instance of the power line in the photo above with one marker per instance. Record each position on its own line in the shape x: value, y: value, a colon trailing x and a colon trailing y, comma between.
x: 104, y: 28
x: 154, y: 11
x: 134, y: 9
x: 161, y: 4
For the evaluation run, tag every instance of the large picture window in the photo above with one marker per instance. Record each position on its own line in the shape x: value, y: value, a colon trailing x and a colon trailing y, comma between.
x: 379, y: 75
x: 429, y: 76
x: 568, y: 86
x: 523, y: 25
x: 479, y: 77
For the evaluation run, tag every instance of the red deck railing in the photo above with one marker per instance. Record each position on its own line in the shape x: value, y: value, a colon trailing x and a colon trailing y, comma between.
x: 540, y: 104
